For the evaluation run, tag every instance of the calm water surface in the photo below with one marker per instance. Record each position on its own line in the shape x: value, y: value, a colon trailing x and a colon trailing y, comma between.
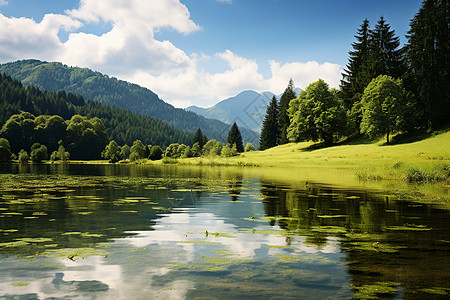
x: 146, y: 232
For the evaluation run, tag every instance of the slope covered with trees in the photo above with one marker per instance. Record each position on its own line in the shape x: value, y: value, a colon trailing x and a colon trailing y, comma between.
x: 385, y: 89
x: 111, y: 91
x: 121, y: 125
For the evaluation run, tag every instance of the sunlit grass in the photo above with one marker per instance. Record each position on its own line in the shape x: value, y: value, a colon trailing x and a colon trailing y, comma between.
x: 421, y: 161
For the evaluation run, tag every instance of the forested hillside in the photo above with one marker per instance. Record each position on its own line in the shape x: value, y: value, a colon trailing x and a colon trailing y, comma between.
x: 121, y: 125
x: 111, y: 91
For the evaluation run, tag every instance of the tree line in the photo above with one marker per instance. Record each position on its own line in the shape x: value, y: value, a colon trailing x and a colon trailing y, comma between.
x: 384, y: 89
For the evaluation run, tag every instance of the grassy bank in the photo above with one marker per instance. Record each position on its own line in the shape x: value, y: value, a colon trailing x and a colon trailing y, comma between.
x: 427, y: 160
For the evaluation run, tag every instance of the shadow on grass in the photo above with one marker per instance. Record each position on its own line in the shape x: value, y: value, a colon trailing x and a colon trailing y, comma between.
x: 411, y: 137
x: 398, y: 139
x: 354, y: 140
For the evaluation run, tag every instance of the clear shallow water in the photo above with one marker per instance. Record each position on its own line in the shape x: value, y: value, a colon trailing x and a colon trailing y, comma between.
x: 145, y: 232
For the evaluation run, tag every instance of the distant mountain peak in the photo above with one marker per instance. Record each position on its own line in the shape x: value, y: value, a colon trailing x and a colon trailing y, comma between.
x: 247, y: 109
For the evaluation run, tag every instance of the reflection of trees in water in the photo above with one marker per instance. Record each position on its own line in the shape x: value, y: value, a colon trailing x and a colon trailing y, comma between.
x: 234, y: 187
x: 362, y: 221
x: 273, y: 200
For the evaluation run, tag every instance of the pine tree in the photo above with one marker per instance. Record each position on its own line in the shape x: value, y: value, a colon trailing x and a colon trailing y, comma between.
x: 287, y: 96
x: 198, y: 138
x: 352, y: 85
x: 385, y: 56
x: 234, y: 137
x: 270, y: 132
x: 428, y: 61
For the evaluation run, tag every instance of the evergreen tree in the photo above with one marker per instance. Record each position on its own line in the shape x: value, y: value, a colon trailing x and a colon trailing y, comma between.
x: 234, y: 137
x: 385, y: 56
x: 285, y: 99
x: 352, y: 83
x: 199, y: 138
x: 270, y: 132
x: 428, y: 57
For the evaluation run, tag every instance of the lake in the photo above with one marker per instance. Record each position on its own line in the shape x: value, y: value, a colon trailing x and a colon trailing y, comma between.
x: 173, y: 232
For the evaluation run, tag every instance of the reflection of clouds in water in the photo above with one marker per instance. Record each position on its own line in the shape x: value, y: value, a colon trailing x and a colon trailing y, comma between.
x: 129, y: 274
x: 191, y: 226
x: 90, y: 275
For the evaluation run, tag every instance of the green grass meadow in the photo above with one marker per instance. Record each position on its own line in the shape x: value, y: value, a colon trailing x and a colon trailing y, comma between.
x: 426, y: 160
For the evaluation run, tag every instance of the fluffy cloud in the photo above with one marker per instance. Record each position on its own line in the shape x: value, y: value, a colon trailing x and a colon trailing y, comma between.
x: 24, y: 38
x: 130, y: 51
x: 194, y: 86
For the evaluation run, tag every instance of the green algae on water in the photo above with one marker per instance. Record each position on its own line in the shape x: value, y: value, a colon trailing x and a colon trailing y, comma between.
x: 409, y: 227
x: 289, y: 259
x: 435, y: 291
x: 374, y: 291
x: 20, y: 283
x: 75, y: 253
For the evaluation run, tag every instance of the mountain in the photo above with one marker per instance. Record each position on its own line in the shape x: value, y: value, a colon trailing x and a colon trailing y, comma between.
x: 54, y: 76
x: 247, y: 109
x: 120, y: 124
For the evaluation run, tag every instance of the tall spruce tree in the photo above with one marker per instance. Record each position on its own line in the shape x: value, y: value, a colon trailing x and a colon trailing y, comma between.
x: 385, y: 56
x: 234, y: 137
x: 199, y: 138
x: 287, y: 96
x: 428, y: 57
x: 352, y: 83
x: 270, y: 132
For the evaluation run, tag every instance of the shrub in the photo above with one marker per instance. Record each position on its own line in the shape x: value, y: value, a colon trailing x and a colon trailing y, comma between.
x: 23, y: 156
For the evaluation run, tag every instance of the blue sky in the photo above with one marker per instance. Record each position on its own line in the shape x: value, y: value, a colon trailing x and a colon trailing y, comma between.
x: 197, y: 51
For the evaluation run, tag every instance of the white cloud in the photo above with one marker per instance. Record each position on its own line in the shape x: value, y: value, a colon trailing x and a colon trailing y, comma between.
x: 24, y: 38
x: 225, y: 1
x: 194, y: 86
x: 3, y: 2
x: 130, y: 51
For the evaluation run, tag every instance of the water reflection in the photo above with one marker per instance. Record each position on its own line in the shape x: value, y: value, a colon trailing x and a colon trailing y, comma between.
x: 86, y: 231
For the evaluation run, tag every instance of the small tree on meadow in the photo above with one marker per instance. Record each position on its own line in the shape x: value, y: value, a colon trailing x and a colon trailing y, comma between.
x: 23, y: 156
x: 61, y: 154
x: 125, y: 152
x: 112, y: 152
x: 196, y: 150
x: 5, y: 150
x: 229, y: 151
x: 234, y: 137
x: 38, y: 153
x: 249, y: 147
x: 384, y: 107
x: 316, y: 115
x: 156, y: 153
x: 270, y: 132
x: 137, y: 150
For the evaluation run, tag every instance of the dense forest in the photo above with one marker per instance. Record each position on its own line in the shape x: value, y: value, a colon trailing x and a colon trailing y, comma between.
x: 120, y: 125
x: 107, y: 90
x: 385, y: 89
